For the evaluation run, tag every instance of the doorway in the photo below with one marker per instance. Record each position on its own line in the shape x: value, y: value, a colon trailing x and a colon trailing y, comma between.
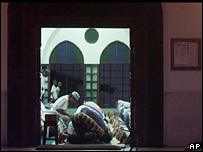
x: 100, y: 71
x: 25, y: 21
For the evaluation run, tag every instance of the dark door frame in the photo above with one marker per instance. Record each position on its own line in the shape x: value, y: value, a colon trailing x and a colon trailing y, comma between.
x: 24, y: 23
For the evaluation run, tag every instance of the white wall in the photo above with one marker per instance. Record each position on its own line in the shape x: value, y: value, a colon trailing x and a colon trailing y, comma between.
x: 4, y: 45
x: 182, y: 89
x: 91, y: 52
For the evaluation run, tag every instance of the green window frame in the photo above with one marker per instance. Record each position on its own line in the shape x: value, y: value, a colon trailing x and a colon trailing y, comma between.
x: 91, y: 82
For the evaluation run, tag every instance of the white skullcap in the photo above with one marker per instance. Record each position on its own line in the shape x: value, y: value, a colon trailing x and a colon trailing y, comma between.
x: 75, y: 95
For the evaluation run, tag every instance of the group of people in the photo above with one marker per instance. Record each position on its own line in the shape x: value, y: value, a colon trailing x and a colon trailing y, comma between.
x: 59, y: 107
x: 86, y: 125
x: 55, y: 89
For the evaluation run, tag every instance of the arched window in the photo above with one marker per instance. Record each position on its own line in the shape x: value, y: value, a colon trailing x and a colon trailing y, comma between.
x: 116, y: 52
x: 114, y: 74
x: 66, y: 53
x: 67, y: 65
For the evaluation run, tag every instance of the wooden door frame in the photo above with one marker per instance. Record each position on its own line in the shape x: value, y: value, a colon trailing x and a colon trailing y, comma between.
x: 24, y: 24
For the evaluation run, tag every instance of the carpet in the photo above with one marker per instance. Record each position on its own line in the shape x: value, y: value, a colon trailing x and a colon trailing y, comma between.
x: 79, y: 147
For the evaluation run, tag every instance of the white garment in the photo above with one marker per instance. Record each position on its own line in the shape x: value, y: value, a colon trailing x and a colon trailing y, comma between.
x: 79, y: 109
x: 71, y: 129
x: 94, y: 105
x: 58, y: 91
x: 42, y: 81
x: 122, y: 103
x: 54, y: 94
x: 42, y: 114
x: 42, y: 84
x: 61, y: 103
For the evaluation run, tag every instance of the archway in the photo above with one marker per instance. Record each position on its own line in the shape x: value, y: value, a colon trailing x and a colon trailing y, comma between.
x: 66, y: 64
x: 114, y: 74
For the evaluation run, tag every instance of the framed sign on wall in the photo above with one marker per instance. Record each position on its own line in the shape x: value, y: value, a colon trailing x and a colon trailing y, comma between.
x: 185, y: 54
